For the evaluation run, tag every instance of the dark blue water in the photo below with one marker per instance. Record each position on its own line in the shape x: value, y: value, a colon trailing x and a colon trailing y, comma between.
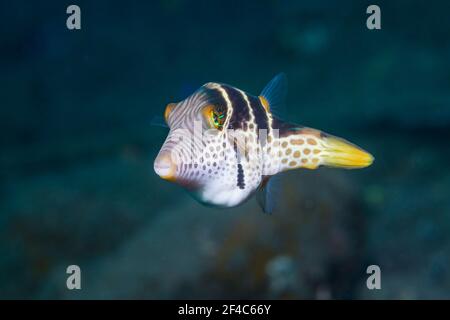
x: 76, y: 165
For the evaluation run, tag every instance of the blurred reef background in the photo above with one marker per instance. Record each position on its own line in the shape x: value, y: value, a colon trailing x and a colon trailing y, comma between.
x: 76, y: 163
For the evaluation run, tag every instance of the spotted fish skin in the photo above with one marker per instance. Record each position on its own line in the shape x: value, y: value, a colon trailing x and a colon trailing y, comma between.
x: 224, y: 166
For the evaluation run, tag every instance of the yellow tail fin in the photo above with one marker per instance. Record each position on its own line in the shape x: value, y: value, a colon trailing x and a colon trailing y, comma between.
x: 343, y: 154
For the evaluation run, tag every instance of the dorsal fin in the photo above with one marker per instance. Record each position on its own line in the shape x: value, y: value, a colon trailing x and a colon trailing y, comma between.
x: 274, y: 95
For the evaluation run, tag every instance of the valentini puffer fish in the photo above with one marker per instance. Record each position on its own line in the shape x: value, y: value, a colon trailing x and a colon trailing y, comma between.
x: 225, y: 144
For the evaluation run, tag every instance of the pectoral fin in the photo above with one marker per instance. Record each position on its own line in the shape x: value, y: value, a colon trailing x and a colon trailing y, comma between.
x: 159, y: 122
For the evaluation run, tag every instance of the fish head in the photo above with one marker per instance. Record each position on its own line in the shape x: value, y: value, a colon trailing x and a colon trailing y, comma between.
x: 196, y: 153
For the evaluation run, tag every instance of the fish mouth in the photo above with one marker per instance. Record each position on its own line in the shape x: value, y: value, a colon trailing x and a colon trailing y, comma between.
x: 165, y: 167
x: 164, y: 171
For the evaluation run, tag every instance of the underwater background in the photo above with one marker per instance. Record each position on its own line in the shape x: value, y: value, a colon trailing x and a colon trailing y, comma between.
x: 77, y: 184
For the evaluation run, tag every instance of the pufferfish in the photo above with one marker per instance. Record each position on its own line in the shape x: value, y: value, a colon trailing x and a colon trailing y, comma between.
x: 225, y: 144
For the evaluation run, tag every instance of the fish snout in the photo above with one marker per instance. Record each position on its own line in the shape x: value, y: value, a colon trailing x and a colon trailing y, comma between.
x: 165, y: 166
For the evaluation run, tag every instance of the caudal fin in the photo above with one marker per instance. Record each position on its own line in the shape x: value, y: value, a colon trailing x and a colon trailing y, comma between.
x: 310, y: 148
x: 340, y: 153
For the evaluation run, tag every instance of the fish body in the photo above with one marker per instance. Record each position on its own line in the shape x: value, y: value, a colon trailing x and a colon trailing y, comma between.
x: 225, y: 144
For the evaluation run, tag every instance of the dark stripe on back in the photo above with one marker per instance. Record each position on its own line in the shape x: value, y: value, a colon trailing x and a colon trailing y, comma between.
x: 259, y: 112
x: 215, y: 97
x: 286, y: 129
x: 241, y: 115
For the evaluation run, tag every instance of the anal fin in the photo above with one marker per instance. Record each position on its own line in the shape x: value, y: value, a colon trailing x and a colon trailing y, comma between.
x: 268, y: 194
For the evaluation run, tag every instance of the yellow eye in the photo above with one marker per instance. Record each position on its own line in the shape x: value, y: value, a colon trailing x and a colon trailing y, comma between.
x: 215, y: 116
x: 168, y: 110
x: 217, y: 119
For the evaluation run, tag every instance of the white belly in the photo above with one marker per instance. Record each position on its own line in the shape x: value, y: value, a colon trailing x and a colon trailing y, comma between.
x: 219, y: 195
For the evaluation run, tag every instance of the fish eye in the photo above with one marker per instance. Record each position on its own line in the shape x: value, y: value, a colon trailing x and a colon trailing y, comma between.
x: 215, y: 116
x: 218, y: 119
